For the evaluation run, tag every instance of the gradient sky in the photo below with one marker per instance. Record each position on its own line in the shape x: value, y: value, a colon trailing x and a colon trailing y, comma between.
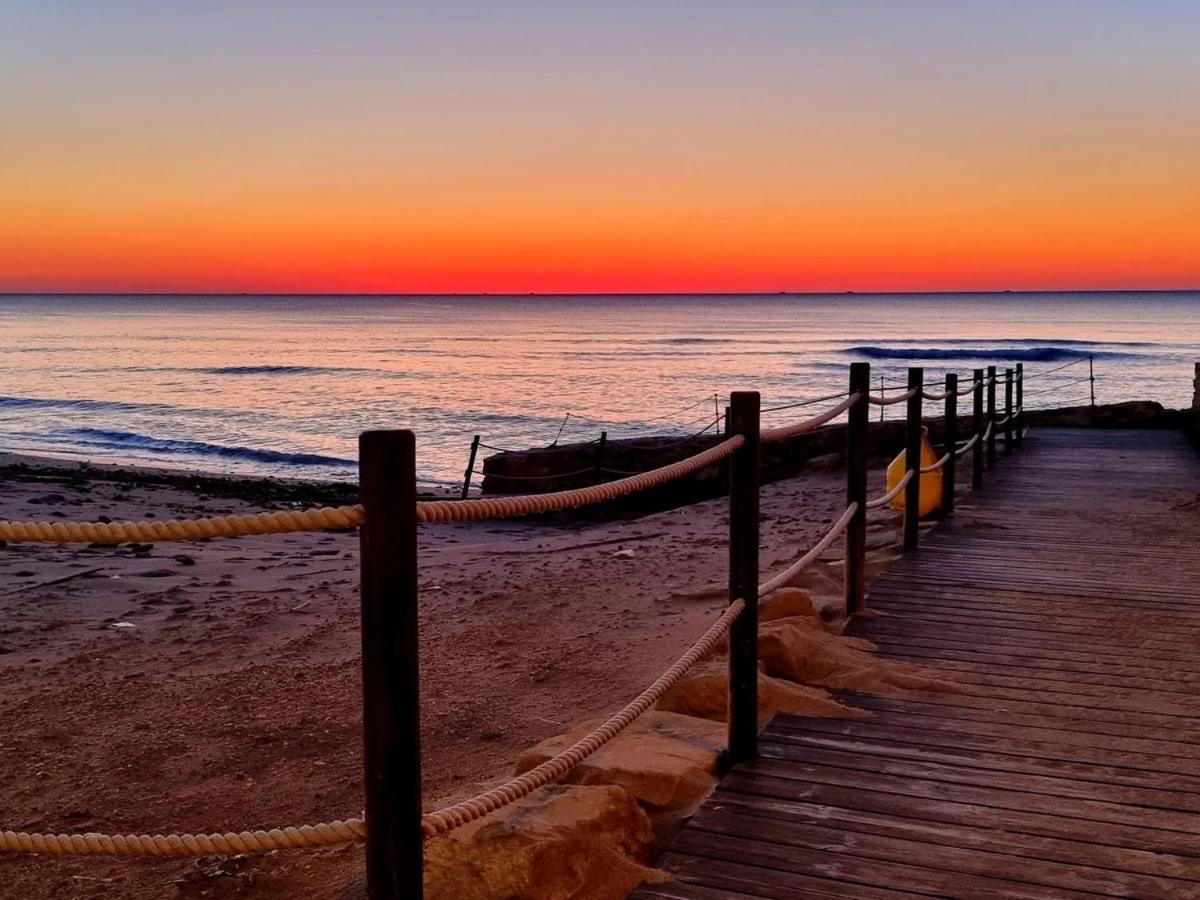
x: 601, y: 146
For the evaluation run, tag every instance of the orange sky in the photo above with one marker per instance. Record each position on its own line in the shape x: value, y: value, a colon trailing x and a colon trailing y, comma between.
x: 1001, y: 146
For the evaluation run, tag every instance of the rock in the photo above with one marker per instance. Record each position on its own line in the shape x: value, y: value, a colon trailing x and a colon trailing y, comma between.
x: 563, y: 842
x: 799, y: 650
x: 786, y: 602
x: 184, y: 560
x: 705, y: 693
x: 666, y: 761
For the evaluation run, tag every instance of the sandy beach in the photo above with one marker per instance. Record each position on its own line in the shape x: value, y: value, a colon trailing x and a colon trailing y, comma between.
x: 215, y: 685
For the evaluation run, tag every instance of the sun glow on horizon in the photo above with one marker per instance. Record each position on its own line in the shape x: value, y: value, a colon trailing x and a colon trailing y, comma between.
x: 695, y: 147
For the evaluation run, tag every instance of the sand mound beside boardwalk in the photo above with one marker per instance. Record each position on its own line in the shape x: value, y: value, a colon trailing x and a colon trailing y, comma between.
x: 593, y: 836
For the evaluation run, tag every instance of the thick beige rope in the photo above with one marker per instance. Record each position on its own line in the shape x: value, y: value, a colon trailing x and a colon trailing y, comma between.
x: 969, y: 444
x: 349, y: 516
x: 937, y: 466
x: 324, y: 834
x: 930, y: 395
x: 807, y: 559
x: 340, y: 832
x: 889, y: 401
x: 184, y: 529
x: 559, y: 765
x: 532, y: 504
x: 890, y: 495
x: 789, y: 431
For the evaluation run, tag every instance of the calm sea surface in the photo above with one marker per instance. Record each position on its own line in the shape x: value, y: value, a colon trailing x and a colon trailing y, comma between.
x: 283, y: 385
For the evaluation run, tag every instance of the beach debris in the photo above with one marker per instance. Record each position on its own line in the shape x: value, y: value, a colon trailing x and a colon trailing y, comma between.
x: 184, y: 560
x: 624, y: 554
x: 123, y: 625
x: 140, y: 548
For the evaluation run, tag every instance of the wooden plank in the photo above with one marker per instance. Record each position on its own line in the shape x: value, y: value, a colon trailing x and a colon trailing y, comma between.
x: 1063, y: 604
x: 992, y: 862
x: 734, y: 877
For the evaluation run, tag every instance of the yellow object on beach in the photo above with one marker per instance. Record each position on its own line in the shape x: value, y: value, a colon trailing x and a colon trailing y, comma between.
x: 931, y: 482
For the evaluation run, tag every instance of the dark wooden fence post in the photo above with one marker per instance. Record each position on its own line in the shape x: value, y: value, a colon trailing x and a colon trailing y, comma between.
x: 601, y: 453
x: 391, y: 697
x: 470, y: 467
x: 991, y: 416
x: 977, y: 450
x: 1020, y: 404
x: 948, y: 472
x: 857, y: 424
x: 727, y: 420
x: 743, y: 578
x: 1008, y: 412
x: 912, y: 459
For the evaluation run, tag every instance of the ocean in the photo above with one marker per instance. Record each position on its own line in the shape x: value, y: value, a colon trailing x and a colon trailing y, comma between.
x: 282, y: 385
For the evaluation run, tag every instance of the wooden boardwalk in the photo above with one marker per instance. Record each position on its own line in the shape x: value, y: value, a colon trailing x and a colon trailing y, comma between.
x: 1066, y: 596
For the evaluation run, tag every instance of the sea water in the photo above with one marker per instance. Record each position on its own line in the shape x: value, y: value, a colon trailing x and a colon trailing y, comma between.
x: 282, y: 385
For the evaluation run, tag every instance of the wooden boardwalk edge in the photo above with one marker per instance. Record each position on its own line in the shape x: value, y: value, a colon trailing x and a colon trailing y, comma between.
x: 1064, y: 601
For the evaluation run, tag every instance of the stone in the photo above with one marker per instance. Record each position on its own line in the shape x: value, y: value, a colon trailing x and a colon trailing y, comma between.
x: 667, y: 761
x: 563, y: 842
x: 785, y: 603
x: 797, y: 650
x: 705, y: 694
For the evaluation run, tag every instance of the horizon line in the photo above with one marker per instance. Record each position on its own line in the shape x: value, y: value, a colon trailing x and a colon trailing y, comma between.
x: 784, y: 293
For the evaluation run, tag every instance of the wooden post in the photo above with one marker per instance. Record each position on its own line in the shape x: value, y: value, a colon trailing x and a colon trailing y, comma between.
x: 912, y: 459
x: 977, y: 450
x: 727, y: 421
x: 1092, y: 377
x: 1008, y: 412
x: 1196, y: 388
x: 857, y: 423
x: 470, y: 467
x: 391, y: 698
x: 882, y: 395
x: 991, y: 416
x: 601, y: 451
x: 1020, y: 405
x: 743, y: 579
x: 948, y: 472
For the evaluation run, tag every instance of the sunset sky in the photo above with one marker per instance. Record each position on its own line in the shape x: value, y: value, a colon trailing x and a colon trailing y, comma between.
x: 608, y: 146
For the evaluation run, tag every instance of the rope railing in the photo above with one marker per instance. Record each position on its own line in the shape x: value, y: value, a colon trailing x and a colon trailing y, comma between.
x: 558, y: 501
x: 1057, y: 387
x: 808, y: 558
x: 782, y: 433
x: 388, y: 463
x: 887, y: 498
x: 890, y: 401
x: 1045, y: 372
x: 282, y: 522
x: 324, y: 518
x: 937, y: 466
x: 800, y: 403
x: 560, y: 764
x: 324, y: 834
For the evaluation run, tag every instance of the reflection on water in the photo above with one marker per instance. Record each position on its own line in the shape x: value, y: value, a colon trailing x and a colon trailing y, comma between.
x: 283, y: 385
